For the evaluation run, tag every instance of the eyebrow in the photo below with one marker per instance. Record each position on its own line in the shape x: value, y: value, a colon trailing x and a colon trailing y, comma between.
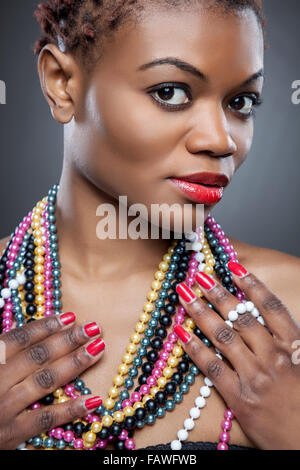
x: 186, y: 67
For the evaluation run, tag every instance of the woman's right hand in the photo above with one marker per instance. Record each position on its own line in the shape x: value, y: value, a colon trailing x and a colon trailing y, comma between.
x: 40, y: 357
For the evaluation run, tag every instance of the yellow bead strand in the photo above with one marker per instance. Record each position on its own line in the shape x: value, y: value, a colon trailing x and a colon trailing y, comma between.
x: 136, y: 338
x: 39, y: 259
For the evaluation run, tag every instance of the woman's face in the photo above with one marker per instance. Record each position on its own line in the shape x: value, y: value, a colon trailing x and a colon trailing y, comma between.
x: 129, y: 138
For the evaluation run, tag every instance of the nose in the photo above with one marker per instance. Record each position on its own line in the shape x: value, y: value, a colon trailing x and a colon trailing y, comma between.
x: 211, y: 133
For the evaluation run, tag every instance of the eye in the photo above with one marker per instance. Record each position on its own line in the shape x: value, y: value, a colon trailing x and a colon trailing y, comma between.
x: 171, y: 96
x: 245, y: 104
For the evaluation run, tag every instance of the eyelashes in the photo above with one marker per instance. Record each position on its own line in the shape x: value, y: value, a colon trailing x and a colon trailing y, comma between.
x: 243, y: 104
x: 252, y: 101
x: 168, y: 89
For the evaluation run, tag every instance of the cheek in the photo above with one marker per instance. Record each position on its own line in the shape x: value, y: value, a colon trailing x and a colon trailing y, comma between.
x: 134, y: 129
x: 243, y: 137
x: 126, y: 145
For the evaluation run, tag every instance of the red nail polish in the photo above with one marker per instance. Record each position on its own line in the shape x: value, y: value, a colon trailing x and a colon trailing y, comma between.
x: 205, y: 281
x: 96, y: 347
x: 93, y: 402
x: 91, y: 329
x: 182, y: 333
x: 67, y: 318
x: 237, y: 269
x: 186, y: 293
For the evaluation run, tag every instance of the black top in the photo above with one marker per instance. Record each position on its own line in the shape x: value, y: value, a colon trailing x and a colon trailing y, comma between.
x: 196, y: 446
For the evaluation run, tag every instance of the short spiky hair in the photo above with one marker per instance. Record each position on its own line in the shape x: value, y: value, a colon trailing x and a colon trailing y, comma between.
x: 75, y: 25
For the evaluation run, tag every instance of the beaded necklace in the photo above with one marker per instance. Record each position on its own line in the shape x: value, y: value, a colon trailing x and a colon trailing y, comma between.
x: 30, y: 290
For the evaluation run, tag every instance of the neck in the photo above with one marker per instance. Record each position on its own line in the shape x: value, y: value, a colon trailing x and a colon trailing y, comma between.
x: 82, y: 253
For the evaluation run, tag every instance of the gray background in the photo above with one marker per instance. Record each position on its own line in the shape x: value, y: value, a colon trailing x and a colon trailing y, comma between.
x: 260, y: 206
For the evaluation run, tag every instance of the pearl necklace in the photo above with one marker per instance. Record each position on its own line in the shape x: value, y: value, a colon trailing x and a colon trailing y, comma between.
x: 39, y: 227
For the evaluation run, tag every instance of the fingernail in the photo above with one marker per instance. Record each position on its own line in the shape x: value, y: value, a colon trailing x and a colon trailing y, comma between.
x: 96, y: 347
x: 184, y: 335
x: 93, y: 402
x: 91, y: 329
x: 186, y: 293
x: 237, y: 269
x: 205, y: 281
x: 67, y: 318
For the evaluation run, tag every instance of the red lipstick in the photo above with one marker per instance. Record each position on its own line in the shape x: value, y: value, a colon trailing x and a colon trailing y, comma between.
x: 203, y: 188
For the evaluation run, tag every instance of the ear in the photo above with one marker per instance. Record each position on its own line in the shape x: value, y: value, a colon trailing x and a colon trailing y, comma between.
x: 59, y: 77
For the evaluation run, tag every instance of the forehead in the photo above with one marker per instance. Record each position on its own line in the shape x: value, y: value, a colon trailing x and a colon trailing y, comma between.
x: 205, y: 37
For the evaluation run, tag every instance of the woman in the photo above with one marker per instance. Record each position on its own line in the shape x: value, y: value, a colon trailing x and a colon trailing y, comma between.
x: 150, y: 93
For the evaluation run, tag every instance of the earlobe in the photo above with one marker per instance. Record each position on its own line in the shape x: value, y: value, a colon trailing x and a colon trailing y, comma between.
x: 55, y: 69
x: 61, y: 114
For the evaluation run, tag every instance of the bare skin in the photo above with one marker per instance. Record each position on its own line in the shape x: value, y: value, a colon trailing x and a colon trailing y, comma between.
x: 117, y: 327
x: 113, y: 148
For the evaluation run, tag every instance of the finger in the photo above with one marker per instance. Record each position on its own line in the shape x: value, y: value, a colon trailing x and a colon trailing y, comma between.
x: 44, y: 381
x: 255, y: 335
x: 24, y: 363
x: 224, y: 338
x: 277, y: 316
x: 224, y: 379
x: 22, y: 337
x: 34, y: 423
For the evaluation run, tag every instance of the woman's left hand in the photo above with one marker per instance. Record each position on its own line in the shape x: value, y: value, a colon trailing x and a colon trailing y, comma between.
x: 263, y: 386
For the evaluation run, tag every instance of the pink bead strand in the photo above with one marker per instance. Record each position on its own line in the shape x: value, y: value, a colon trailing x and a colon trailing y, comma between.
x: 224, y: 241
x: 226, y: 426
x: 13, y: 252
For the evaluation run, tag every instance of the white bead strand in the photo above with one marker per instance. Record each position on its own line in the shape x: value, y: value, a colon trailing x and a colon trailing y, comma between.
x: 189, y: 424
x: 5, y: 293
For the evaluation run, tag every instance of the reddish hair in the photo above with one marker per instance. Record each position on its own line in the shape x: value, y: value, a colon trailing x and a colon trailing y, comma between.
x: 75, y: 25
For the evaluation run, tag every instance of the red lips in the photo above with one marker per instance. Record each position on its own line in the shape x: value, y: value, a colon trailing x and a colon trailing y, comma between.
x: 203, y: 188
x: 211, y: 179
x: 199, y: 193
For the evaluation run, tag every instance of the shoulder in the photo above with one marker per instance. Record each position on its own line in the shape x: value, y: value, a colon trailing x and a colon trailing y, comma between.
x: 264, y: 259
x: 278, y: 270
x: 3, y: 244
